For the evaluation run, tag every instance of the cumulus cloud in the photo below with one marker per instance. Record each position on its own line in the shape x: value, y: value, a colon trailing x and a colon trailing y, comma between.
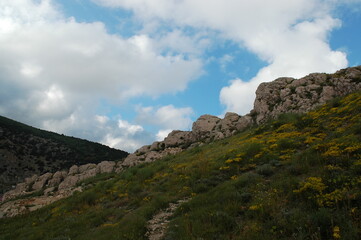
x: 167, y: 118
x: 124, y: 135
x: 291, y: 36
x: 54, y: 70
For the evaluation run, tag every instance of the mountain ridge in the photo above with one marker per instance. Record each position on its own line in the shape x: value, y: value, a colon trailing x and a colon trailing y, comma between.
x: 25, y: 151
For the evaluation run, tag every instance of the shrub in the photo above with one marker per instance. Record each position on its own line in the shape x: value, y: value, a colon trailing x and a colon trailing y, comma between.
x: 265, y: 170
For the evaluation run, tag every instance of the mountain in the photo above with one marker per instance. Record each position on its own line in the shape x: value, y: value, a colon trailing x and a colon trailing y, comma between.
x: 276, y: 173
x: 25, y: 151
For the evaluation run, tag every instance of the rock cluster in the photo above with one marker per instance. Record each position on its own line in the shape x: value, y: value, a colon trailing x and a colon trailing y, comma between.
x: 53, y: 187
x: 301, y: 95
x: 272, y: 99
x: 206, y: 129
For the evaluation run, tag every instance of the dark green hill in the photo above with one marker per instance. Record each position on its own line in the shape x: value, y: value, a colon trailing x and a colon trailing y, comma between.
x: 297, y: 177
x: 25, y: 151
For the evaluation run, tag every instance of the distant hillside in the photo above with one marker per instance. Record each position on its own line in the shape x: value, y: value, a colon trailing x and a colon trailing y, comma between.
x: 25, y: 151
x: 295, y: 177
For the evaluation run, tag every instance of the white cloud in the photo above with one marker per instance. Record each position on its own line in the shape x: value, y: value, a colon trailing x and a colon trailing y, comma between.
x: 131, y: 129
x: 291, y: 36
x: 167, y: 117
x: 54, y: 70
x: 101, y: 119
x: 162, y: 134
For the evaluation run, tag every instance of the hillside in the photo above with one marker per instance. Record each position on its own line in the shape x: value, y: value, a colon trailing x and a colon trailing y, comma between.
x: 25, y: 151
x: 296, y: 177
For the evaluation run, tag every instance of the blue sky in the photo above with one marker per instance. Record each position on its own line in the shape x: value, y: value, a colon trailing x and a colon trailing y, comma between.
x: 127, y: 72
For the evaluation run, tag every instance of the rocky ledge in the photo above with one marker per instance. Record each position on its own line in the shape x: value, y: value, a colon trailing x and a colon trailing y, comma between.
x: 283, y: 95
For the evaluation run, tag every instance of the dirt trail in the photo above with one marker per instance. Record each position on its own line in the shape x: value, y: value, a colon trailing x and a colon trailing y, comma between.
x: 157, y: 226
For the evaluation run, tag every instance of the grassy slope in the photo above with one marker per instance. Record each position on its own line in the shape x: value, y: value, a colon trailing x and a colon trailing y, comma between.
x: 294, y: 178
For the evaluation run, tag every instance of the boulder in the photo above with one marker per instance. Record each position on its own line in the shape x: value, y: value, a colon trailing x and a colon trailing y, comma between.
x: 73, y: 170
x: 105, y: 167
x: 69, y: 182
x: 86, y: 167
x: 204, y: 125
x: 88, y: 174
x: 179, y: 139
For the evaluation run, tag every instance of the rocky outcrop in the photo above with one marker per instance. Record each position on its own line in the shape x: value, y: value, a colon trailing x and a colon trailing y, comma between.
x: 207, y: 128
x: 301, y: 95
x: 272, y: 99
x: 49, y: 187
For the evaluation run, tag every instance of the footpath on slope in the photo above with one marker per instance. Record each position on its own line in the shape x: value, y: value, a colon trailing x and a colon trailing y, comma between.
x: 157, y: 226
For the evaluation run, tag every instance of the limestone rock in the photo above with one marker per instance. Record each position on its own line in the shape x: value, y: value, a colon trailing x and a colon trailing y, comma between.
x: 20, y: 189
x: 73, y: 170
x: 179, y: 139
x: 105, y: 167
x: 41, y: 181
x: 302, y: 95
x: 86, y: 167
x: 57, y: 178
x: 143, y: 150
x: 90, y: 172
x: 204, y: 124
x: 30, y: 180
x: 69, y: 182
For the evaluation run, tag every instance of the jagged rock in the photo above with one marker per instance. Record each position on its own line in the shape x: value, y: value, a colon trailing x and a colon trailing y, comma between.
x: 69, y: 182
x: 105, y: 167
x: 41, y: 181
x: 73, y: 170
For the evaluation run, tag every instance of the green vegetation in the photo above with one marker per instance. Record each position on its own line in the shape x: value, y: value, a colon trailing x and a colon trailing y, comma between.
x: 297, y: 177
x: 27, y: 151
x: 84, y: 147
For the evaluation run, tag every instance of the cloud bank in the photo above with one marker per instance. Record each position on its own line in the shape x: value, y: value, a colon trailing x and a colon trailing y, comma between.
x: 290, y: 36
x: 54, y: 70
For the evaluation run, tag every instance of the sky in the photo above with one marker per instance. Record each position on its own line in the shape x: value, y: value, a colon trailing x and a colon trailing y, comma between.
x: 126, y: 72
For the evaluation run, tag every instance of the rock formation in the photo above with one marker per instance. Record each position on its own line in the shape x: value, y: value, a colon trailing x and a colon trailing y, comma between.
x: 301, y: 95
x: 272, y: 99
